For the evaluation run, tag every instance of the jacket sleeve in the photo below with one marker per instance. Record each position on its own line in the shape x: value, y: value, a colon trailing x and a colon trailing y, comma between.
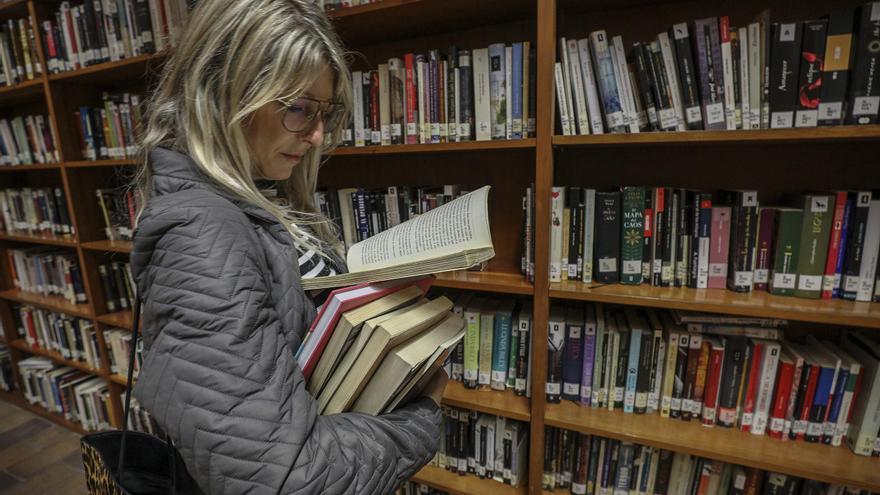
x: 220, y: 378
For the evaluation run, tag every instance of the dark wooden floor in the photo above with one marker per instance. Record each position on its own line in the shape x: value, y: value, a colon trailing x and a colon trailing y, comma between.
x: 37, y: 456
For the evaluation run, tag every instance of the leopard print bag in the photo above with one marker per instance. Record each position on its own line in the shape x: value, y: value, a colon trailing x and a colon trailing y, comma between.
x: 147, y: 464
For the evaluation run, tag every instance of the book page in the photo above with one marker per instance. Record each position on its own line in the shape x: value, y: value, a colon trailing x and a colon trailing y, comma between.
x: 460, y: 225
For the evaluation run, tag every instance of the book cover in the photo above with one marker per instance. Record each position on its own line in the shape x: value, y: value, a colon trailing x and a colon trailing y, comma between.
x: 786, y: 248
x: 611, y: 103
x: 763, y: 245
x: 572, y: 365
x: 687, y: 77
x: 815, y: 233
x: 837, y: 66
x: 607, y: 248
x: 708, y: 55
x: 719, y: 249
x: 631, y: 235
x: 810, y: 78
x: 784, y: 66
x: 743, y: 229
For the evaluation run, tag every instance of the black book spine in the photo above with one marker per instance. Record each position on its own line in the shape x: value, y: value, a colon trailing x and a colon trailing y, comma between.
x: 622, y: 365
x: 647, y: 89
x: 855, y: 244
x: 837, y: 66
x: 145, y: 25
x: 659, y: 233
x: 365, y: 104
x: 681, y: 365
x: 785, y: 59
x: 687, y: 77
x: 121, y: 285
x: 643, y: 380
x: 78, y: 287
x: 61, y: 205
x: 682, y: 247
x: 607, y: 250
x: 666, y: 114
x: 533, y: 90
x: 810, y: 79
x: 731, y: 371
x: 107, y: 286
x: 744, y: 219
x: 648, y: 237
x: 864, y: 90
x: 97, y: 18
x: 693, y: 267
x: 573, y: 197
x: 451, y: 113
x: 465, y: 96
x: 669, y: 232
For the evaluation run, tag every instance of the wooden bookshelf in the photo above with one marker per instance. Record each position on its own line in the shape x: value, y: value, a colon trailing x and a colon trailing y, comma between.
x: 22, y: 345
x: 757, y: 303
x: 119, y: 319
x: 469, y: 484
x: 129, y: 69
x: 108, y: 246
x: 495, y: 402
x: 50, y: 240
x: 23, y: 91
x: 100, y: 163
x: 822, y: 462
x: 52, y: 303
x: 435, y: 148
x: 25, y: 168
x: 506, y: 283
x: 840, y: 134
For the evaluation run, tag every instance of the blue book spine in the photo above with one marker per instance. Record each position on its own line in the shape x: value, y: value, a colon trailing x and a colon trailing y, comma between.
x: 841, y: 252
x: 501, y: 349
x: 836, y: 403
x: 517, y: 89
x: 816, y: 424
x: 572, y: 363
x: 607, y: 82
x: 588, y: 359
x: 632, y: 373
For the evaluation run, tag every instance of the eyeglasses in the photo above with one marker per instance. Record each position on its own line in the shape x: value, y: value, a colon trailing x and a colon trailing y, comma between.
x: 299, y: 115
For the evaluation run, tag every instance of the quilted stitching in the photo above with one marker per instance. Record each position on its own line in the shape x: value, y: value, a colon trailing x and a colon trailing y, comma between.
x: 223, y: 317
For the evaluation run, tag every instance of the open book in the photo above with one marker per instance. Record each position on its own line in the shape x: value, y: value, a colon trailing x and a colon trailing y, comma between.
x: 454, y: 236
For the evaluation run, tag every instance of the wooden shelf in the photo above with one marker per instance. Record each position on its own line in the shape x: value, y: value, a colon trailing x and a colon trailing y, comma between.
x: 121, y: 380
x: 469, y: 484
x: 126, y: 162
x: 435, y: 148
x: 40, y: 239
x: 119, y: 319
x: 110, y: 246
x: 52, y: 303
x: 837, y: 134
x: 54, y: 417
x: 507, y: 283
x: 129, y: 69
x: 22, y: 92
x: 13, y: 8
x: 808, y: 460
x: 34, y: 166
x: 495, y: 402
x: 756, y: 303
x: 22, y: 345
x: 13, y: 397
x: 401, y: 19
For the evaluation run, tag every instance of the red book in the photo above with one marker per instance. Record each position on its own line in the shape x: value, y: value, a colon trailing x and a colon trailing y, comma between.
x: 755, y: 365
x: 338, y: 302
x: 412, y: 100
x: 834, y: 245
x: 803, y: 415
x: 784, y: 378
x: 798, y: 359
x: 375, y: 119
x: 719, y: 247
x: 710, y: 397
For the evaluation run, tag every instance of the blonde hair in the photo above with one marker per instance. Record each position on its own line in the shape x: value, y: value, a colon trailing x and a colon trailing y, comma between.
x: 234, y: 57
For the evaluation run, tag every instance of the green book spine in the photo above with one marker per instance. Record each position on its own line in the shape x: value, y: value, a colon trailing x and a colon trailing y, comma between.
x: 815, y: 232
x: 631, y: 234
x: 472, y: 345
x: 785, y: 252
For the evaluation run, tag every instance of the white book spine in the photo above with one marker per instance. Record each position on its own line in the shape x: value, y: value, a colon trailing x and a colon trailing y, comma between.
x: 594, y: 109
x: 765, y: 391
x: 508, y: 91
x: 583, y: 118
x: 727, y: 70
x: 589, y: 222
x: 482, y: 118
x: 868, y: 269
x: 556, y: 204
x: 357, y: 93
x: 755, y: 70
x: 744, y: 78
x: 624, y: 86
x: 567, y: 87
x: 421, y: 93
x: 564, y: 119
x: 674, y: 84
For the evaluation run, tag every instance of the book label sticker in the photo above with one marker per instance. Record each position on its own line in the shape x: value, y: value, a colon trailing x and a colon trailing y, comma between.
x: 810, y: 282
x: 709, y: 415
x: 575, y: 332
x: 866, y: 105
x: 675, y: 405
x: 781, y: 120
x: 386, y: 133
x: 499, y: 376
x: 819, y: 204
x: 750, y: 199
x: 658, y: 266
x: 553, y: 388
x: 395, y: 130
x: 851, y: 283
x: 693, y: 114
x: 831, y: 111
x: 807, y: 118
x: 784, y: 280
x: 470, y: 374
x: 520, y: 384
x: 607, y: 265
x: 666, y: 273
x: 618, y: 394
x: 743, y: 279
x: 761, y: 276
x: 615, y: 119
x: 777, y: 424
x: 814, y: 429
x: 715, y: 113
x: 680, y: 31
x: 666, y: 402
x: 667, y: 119
x: 652, y: 401
x: 717, y: 269
x: 787, y: 32
x: 578, y: 489
x: 484, y: 378
x: 376, y: 136
x: 586, y: 391
x: 631, y: 267
x: 570, y: 389
x: 410, y: 129
x: 828, y: 282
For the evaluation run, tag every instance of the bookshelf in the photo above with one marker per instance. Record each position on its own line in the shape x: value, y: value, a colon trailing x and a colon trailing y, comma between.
x: 776, y: 162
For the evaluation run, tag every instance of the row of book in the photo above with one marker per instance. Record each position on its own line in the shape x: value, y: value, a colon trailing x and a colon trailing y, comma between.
x: 7, y: 380
x: 119, y: 349
x: 47, y: 271
x: 463, y: 95
x: 707, y: 369
x: 18, y: 52
x: 26, y: 140
x: 591, y: 465
x: 108, y: 131
x: 141, y: 419
x: 75, y: 395
x: 485, y: 445
x: 30, y: 210
x: 362, y: 213
x: 826, y: 247
x: 117, y: 285
x: 80, y: 35
x: 74, y: 339
x: 710, y: 75
x: 413, y: 488
x: 118, y: 207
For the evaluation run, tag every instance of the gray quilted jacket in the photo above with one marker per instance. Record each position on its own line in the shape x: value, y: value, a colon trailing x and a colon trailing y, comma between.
x: 224, y: 313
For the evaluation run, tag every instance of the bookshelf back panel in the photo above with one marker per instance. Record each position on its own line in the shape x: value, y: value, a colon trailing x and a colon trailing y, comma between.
x: 508, y: 172
x: 577, y: 19
x: 779, y: 172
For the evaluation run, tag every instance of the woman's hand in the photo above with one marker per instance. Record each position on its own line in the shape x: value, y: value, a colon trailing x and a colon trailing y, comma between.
x: 437, y: 385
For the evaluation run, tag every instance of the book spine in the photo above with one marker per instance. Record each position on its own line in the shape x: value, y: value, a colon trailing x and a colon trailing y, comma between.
x: 764, y: 243
x: 648, y: 235
x: 842, y: 248
x: 632, y: 369
x: 744, y: 217
x: 734, y: 360
x: 868, y: 269
x: 660, y: 82
x: 643, y: 379
x: 727, y: 68
x: 783, y: 276
x: 855, y: 244
x: 719, y: 249
x: 614, y: 116
x: 522, y: 362
x: 864, y: 93
x: 836, y: 67
x: 594, y: 109
x: 810, y: 79
x: 781, y: 398
x: 607, y: 249
x: 829, y: 280
x: 687, y: 76
x: 713, y: 381
x: 501, y: 349
x: 516, y: 94
x: 589, y: 353
x: 711, y: 79
x: 785, y: 53
x: 765, y: 389
x: 471, y: 347
x: 498, y: 96
x: 555, y: 343
x: 572, y: 365
x: 466, y: 87
x: 815, y: 232
x: 644, y: 84
x: 556, y: 208
x: 631, y: 235
x: 671, y: 70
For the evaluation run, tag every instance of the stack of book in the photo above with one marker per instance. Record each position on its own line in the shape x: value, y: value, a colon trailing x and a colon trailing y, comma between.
x: 72, y: 338
x: 117, y: 285
x: 62, y: 390
x: 118, y: 207
x: 7, y: 381
x: 18, y: 52
x: 734, y: 372
x: 26, y: 140
x: 91, y: 33
x: 589, y: 464
x: 108, y: 132
x: 47, y: 271
x: 462, y: 95
x: 825, y: 247
x: 709, y: 75
x: 35, y: 211
x: 491, y: 447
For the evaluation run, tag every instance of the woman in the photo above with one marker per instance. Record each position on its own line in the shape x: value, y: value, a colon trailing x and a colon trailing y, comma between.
x: 254, y: 92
